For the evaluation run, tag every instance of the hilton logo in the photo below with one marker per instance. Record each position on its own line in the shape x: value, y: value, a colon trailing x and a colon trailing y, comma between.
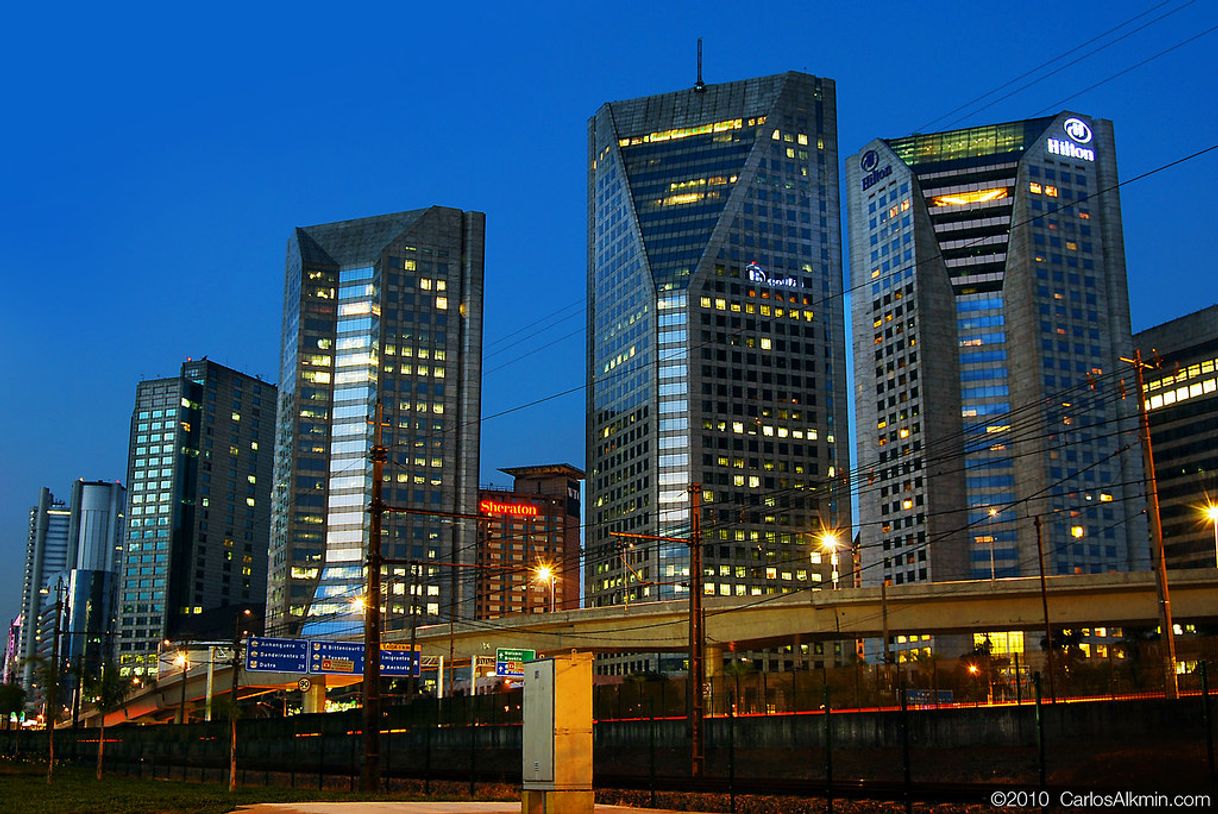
x: 1078, y: 131
x: 759, y: 275
x: 870, y: 163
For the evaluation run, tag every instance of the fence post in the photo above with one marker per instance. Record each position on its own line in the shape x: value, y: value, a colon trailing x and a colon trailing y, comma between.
x: 321, y: 753
x: 473, y: 748
x: 905, y: 747
x: 292, y: 776
x: 828, y: 752
x: 427, y: 748
x: 352, y: 762
x: 731, y: 758
x: 1205, y: 719
x: 1040, y: 730
x: 651, y: 751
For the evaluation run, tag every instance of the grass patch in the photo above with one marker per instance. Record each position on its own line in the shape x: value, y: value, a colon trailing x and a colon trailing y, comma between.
x: 24, y: 790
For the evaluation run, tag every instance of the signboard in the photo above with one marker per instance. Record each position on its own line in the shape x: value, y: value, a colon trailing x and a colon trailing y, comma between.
x: 924, y: 698
x: 509, y: 662
x: 276, y: 655
x: 336, y: 658
x: 399, y: 660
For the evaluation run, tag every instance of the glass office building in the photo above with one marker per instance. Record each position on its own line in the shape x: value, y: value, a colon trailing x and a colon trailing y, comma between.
x: 383, y: 309
x: 199, y: 479
x: 990, y: 309
x: 716, y: 352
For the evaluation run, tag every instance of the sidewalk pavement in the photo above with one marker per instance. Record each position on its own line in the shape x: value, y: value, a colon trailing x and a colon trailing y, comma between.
x: 419, y: 808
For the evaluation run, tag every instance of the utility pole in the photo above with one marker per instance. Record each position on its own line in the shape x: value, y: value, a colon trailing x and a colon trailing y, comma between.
x: 697, y: 631
x: 1170, y: 686
x: 1044, y: 604
x: 415, y: 567
x: 236, y: 673
x: 370, y: 777
x: 697, y: 637
x: 52, y: 688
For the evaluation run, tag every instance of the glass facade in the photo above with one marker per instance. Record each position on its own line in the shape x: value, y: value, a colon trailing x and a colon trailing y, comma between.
x: 996, y: 277
x: 716, y: 349
x: 385, y: 309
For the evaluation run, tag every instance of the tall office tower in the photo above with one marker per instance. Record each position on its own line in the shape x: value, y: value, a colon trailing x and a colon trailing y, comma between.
x: 1182, y: 396
x: 46, y: 553
x: 528, y: 549
x: 199, y: 471
x: 95, y: 550
x: 384, y: 310
x: 988, y: 271
x: 12, y: 651
x: 716, y: 352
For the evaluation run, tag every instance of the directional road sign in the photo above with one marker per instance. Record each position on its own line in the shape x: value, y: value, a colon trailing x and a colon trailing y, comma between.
x: 399, y: 660
x: 509, y: 662
x: 336, y: 658
x: 276, y: 655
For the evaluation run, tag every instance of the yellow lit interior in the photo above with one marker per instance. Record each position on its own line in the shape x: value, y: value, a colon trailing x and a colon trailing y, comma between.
x: 976, y: 196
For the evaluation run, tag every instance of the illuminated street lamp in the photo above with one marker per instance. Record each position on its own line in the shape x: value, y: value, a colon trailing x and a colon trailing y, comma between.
x: 1211, y: 514
x: 830, y: 542
x: 544, y: 573
x: 183, y: 661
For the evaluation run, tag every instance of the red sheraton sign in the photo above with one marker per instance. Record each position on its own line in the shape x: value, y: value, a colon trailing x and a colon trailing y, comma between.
x: 510, y: 509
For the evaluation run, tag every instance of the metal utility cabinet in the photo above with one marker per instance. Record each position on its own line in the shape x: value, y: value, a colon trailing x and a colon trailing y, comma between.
x: 557, y: 751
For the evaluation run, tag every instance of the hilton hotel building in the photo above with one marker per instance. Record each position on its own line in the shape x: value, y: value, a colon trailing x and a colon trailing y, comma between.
x: 990, y: 310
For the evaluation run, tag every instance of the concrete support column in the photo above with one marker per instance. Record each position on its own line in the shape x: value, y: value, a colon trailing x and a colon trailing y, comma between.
x: 314, y: 698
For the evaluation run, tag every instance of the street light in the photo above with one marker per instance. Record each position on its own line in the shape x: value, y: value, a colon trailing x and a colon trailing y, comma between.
x: 993, y: 541
x: 1211, y: 514
x: 545, y: 573
x: 183, y: 661
x: 830, y: 542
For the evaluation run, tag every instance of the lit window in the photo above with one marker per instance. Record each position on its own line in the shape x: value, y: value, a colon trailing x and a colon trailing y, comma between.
x: 1034, y: 187
x: 976, y: 196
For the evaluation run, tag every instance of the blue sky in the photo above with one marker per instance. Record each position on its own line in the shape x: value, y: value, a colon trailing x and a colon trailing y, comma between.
x: 155, y: 159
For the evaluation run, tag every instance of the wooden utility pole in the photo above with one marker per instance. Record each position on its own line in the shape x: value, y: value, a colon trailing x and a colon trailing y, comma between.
x: 370, y: 777
x: 694, y: 698
x: 1170, y: 684
x: 51, y: 699
x: 232, y: 705
x: 1044, y: 604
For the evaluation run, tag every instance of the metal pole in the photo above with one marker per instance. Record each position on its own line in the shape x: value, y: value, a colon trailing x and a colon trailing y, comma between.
x: 182, y: 698
x: 1044, y: 604
x: 1205, y: 719
x: 232, y: 711
x: 211, y: 681
x: 828, y: 752
x: 905, y: 747
x: 1040, y: 730
x: 371, y: 775
x: 697, y: 667
x: 1171, y: 686
x: 651, y: 751
x: 52, y: 689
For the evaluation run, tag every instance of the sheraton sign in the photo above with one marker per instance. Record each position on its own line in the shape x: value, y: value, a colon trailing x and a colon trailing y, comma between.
x: 488, y: 506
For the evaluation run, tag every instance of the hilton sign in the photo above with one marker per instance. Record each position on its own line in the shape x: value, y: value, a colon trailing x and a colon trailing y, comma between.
x: 870, y: 164
x: 1080, y: 133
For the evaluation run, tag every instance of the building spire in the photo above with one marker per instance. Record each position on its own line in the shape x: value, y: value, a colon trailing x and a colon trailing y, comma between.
x: 699, y: 85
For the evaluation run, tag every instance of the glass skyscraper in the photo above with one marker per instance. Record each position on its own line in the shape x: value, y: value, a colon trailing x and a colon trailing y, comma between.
x: 383, y: 309
x: 990, y: 309
x: 716, y: 352
x: 199, y: 478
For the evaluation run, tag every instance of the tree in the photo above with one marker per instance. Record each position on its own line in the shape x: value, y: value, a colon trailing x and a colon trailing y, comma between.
x: 107, y: 690
x: 12, y: 701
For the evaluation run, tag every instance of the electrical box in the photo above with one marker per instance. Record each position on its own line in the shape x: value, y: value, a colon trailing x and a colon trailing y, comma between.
x: 557, y: 752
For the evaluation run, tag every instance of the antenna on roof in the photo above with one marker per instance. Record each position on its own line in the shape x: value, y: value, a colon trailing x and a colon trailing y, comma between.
x: 700, y: 86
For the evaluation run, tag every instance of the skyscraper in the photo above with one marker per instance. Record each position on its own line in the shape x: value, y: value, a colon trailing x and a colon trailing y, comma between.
x: 1182, y: 397
x: 95, y: 543
x: 990, y: 309
x: 46, y: 553
x: 383, y: 309
x: 716, y: 352
x: 199, y: 471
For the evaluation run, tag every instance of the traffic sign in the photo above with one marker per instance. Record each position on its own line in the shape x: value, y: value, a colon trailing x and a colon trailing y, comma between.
x: 336, y: 658
x: 509, y: 662
x: 399, y: 660
x: 276, y: 655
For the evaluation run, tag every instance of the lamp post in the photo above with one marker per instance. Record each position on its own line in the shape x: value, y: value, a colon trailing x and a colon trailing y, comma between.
x: 232, y: 705
x: 543, y: 574
x: 183, y: 661
x: 829, y: 542
x: 1211, y: 513
x: 993, y: 541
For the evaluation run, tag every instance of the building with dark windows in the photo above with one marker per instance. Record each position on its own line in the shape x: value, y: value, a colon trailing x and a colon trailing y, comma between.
x: 716, y: 352
x: 529, y: 545
x: 385, y: 310
x: 1182, y: 396
x: 990, y: 310
x: 199, y: 474
x: 46, y: 554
